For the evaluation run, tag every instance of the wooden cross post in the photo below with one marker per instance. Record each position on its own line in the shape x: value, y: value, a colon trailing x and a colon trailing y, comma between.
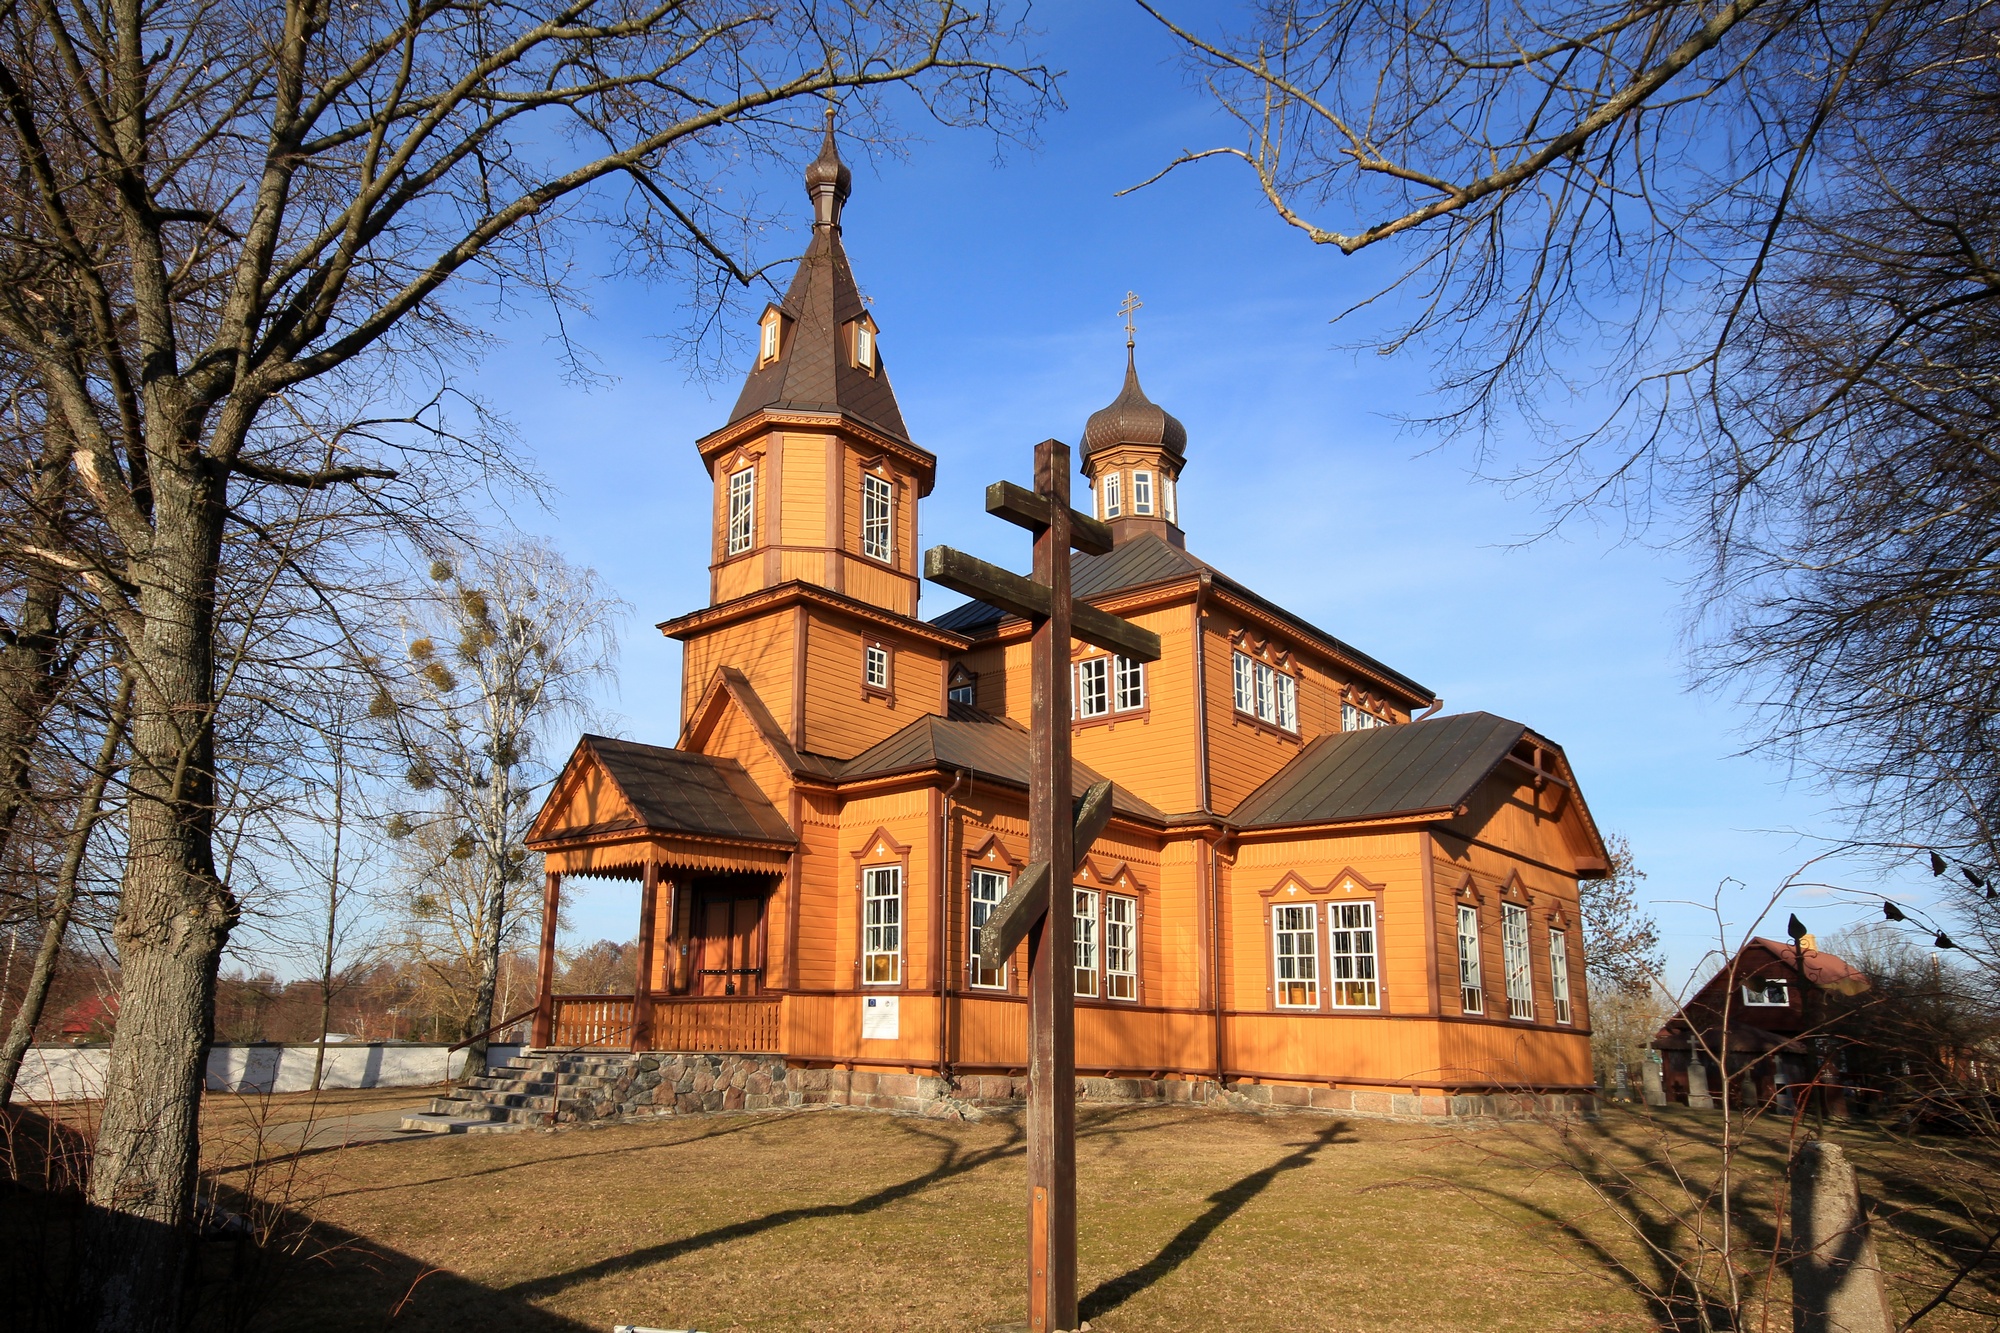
x: 1038, y: 906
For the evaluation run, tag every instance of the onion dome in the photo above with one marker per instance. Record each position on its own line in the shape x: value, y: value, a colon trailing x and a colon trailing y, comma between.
x: 1133, y: 418
x: 828, y: 181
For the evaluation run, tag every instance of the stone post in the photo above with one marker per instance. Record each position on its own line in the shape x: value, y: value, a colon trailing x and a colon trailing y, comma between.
x: 1836, y: 1278
x: 1698, y: 1098
x: 1651, y: 1085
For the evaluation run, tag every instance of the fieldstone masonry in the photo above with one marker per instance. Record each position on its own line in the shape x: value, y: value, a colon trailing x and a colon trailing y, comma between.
x: 684, y: 1084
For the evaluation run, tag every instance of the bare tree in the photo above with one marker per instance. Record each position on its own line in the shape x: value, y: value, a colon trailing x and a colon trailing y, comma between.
x: 1621, y: 939
x: 512, y: 641
x: 225, y: 213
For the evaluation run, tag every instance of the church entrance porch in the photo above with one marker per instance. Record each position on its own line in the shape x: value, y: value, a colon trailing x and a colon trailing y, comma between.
x: 725, y: 935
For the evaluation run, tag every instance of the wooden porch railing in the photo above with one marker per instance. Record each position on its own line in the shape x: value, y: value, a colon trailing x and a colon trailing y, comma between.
x: 591, y: 1020
x: 740, y: 1024
x: 745, y: 1024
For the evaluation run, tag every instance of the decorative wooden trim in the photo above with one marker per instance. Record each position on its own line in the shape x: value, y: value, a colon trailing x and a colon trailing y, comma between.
x: 992, y: 854
x: 786, y: 594
x: 1347, y: 886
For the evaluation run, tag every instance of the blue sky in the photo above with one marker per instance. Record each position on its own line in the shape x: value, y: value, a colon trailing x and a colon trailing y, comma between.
x: 997, y: 287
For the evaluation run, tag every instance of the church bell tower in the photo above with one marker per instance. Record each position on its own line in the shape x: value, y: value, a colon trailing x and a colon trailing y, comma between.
x: 815, y: 478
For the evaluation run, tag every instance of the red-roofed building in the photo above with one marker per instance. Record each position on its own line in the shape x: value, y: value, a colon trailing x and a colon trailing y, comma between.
x: 1773, y: 1016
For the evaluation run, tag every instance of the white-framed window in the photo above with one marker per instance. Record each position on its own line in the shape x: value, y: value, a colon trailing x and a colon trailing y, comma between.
x: 1294, y: 956
x: 1246, y: 695
x: 1514, y: 951
x: 964, y: 688
x: 1142, y: 492
x: 1350, y: 955
x: 1353, y: 717
x: 1093, y: 687
x: 1559, y: 973
x: 1121, y: 947
x: 1131, y: 680
x: 1287, y: 701
x: 1767, y: 992
x: 1266, y: 692
x: 875, y: 667
x: 1113, y: 504
x: 1083, y: 944
x: 986, y: 890
x: 1168, y: 509
x: 877, y: 516
x: 1471, y: 990
x: 742, y: 510
x: 882, y: 925
x: 768, y: 348
x: 864, y: 347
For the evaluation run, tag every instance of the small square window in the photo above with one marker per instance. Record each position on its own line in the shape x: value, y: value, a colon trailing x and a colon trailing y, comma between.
x: 963, y: 687
x: 875, y: 667
x: 1767, y: 993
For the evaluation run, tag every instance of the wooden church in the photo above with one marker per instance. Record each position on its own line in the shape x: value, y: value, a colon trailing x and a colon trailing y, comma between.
x: 1316, y: 889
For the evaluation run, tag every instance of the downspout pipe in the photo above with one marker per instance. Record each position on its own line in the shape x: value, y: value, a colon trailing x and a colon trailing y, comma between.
x: 940, y: 935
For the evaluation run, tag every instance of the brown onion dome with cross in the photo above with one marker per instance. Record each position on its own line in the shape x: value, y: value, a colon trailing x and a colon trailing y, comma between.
x: 828, y: 181
x: 1133, y: 418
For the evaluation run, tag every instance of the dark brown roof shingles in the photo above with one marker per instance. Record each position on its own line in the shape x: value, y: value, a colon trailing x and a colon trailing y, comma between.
x: 1431, y: 765
x: 677, y: 791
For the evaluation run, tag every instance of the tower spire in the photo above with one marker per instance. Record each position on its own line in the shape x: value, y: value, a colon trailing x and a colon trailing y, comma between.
x: 828, y: 181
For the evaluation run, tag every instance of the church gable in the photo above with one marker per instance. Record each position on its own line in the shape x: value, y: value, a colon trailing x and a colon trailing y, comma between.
x: 584, y: 797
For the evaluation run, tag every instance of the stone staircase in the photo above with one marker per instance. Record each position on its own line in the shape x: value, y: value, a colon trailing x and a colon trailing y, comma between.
x: 531, y: 1091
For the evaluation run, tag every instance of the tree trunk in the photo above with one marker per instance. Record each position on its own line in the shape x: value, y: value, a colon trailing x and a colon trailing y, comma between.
x: 30, y: 1012
x: 174, y: 917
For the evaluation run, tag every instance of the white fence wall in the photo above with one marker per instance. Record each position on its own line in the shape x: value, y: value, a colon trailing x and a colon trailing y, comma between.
x: 74, y: 1073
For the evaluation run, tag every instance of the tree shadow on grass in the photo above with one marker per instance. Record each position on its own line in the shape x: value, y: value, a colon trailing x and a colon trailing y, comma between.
x: 953, y: 1160
x: 1224, y: 1204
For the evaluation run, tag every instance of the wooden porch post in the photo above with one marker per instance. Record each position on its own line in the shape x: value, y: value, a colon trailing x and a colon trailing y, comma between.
x: 642, y: 991
x: 545, y: 964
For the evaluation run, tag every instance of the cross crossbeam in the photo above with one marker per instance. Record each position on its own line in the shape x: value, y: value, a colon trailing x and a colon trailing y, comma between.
x: 1030, y: 601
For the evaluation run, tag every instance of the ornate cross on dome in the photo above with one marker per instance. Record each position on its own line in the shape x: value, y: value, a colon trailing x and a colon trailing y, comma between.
x: 1129, y: 307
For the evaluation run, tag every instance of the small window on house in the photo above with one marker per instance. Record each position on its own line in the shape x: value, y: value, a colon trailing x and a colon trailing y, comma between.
x: 1471, y: 992
x: 1288, y: 702
x: 1514, y: 950
x: 988, y: 887
x: 877, y: 512
x: 1350, y: 954
x: 875, y: 667
x: 1131, y: 684
x: 1093, y: 687
x: 1266, y: 692
x: 1559, y: 974
x: 1353, y: 717
x: 1294, y: 956
x: 1083, y: 944
x: 882, y: 925
x: 864, y: 347
x: 1168, y: 509
x: 1246, y: 694
x: 1112, y: 503
x: 767, y: 350
x: 1142, y: 492
x: 1767, y: 992
x: 1121, y: 947
x: 964, y: 687
x: 742, y: 510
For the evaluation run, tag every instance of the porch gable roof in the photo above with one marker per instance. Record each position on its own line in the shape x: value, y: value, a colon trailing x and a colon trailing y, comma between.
x: 665, y: 791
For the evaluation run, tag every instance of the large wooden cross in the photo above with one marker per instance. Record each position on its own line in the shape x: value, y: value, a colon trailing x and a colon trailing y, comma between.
x: 1038, y: 906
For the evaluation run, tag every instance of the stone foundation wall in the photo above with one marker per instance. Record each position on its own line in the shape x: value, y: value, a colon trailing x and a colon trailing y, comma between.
x: 683, y: 1084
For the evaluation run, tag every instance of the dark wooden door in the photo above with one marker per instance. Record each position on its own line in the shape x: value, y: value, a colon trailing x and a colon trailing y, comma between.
x: 729, y: 954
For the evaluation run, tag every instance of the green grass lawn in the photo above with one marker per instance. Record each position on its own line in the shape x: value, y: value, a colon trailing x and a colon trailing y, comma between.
x: 1190, y: 1220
